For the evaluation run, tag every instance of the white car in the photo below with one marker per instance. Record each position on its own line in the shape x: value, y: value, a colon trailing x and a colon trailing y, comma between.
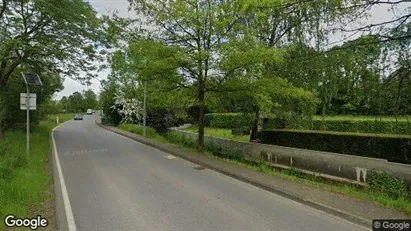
x: 89, y: 112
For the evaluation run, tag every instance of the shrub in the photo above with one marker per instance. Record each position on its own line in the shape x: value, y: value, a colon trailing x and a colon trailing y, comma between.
x: 229, y: 120
x: 181, y: 139
x: 135, y: 128
x: 384, y: 182
x: 394, y: 148
x: 366, y: 126
x: 160, y: 119
x: 193, y: 113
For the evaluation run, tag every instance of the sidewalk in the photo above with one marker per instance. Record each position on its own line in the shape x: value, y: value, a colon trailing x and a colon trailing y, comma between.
x: 355, y: 210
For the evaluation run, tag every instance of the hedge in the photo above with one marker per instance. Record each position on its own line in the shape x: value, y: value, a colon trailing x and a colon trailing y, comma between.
x: 229, y: 120
x: 394, y: 148
x: 365, y: 126
x: 238, y: 120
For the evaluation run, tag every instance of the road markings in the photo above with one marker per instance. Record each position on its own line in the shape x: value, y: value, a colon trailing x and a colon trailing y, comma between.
x: 69, y: 213
x: 82, y: 152
x: 170, y: 157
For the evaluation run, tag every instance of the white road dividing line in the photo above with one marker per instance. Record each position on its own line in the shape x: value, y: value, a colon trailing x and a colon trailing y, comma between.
x: 69, y: 213
x: 170, y: 157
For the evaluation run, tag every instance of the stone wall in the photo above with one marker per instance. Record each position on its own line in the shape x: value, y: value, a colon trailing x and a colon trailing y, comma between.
x: 335, y: 166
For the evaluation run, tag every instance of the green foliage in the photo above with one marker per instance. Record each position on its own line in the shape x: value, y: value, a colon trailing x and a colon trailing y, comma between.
x: 24, y: 179
x: 107, y: 100
x: 90, y: 99
x: 180, y: 139
x: 11, y: 116
x: 135, y: 128
x: 229, y: 120
x: 59, y: 37
x: 384, y: 182
x: 393, y: 148
x: 363, y: 126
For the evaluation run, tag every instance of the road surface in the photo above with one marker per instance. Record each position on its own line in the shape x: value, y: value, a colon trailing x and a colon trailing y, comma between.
x: 114, y: 183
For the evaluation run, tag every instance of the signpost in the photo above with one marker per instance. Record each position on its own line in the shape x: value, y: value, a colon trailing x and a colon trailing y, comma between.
x: 28, y: 101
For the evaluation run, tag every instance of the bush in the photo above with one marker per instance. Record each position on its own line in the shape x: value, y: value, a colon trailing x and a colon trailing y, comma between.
x: 193, y: 113
x: 366, y: 126
x: 137, y: 129
x: 393, y: 148
x: 238, y: 120
x: 384, y: 182
x: 229, y: 120
x: 181, y: 139
x: 161, y: 119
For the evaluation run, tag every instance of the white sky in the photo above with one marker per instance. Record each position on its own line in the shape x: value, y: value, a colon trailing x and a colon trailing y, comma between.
x: 379, y: 14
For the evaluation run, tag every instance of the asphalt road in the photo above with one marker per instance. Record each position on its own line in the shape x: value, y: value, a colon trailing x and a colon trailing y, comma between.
x: 115, y: 183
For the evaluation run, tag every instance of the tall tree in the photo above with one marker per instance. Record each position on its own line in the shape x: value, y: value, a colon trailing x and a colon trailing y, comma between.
x: 193, y: 31
x: 59, y: 35
x: 90, y: 99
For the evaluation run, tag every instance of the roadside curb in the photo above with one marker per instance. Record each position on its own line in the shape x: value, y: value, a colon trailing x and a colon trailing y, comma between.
x: 287, y: 194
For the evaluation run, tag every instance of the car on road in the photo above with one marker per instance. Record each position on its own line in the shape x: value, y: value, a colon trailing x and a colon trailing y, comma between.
x: 78, y: 117
x: 89, y: 111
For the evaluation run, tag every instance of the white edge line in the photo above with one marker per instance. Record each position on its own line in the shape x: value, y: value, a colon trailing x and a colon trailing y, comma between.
x: 69, y: 213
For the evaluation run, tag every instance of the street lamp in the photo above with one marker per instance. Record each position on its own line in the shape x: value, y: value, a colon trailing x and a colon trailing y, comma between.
x: 145, y: 111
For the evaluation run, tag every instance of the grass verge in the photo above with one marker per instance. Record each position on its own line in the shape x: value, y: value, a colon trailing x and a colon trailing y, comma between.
x: 219, y: 133
x: 25, y: 181
x: 400, y: 203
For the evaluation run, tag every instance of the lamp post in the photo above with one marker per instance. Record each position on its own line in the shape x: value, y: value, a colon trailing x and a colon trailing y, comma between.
x: 145, y: 112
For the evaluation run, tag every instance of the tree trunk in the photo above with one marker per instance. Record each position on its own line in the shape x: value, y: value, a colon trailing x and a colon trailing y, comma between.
x: 254, y: 128
x: 200, y: 144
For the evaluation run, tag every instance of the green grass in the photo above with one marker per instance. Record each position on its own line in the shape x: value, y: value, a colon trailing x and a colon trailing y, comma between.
x: 23, y: 180
x: 362, y: 118
x: 219, y: 133
x: 135, y: 128
x: 402, y: 204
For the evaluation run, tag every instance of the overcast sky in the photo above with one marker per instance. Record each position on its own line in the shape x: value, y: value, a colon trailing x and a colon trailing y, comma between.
x: 379, y: 14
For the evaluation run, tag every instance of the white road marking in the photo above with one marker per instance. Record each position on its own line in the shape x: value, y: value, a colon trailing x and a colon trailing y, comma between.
x: 69, y: 213
x: 170, y: 157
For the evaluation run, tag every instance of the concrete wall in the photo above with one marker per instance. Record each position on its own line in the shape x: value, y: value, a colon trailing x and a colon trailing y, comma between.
x: 336, y: 166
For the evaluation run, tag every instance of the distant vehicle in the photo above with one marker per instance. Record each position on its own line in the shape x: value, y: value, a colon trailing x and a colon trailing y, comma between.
x: 89, y: 111
x: 78, y: 117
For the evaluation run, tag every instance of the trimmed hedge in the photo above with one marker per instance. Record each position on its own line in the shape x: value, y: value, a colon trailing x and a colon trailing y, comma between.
x: 238, y: 120
x: 366, y: 126
x: 393, y: 148
x: 229, y: 120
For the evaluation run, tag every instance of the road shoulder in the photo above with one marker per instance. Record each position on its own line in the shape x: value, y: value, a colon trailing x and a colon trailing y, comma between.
x: 352, y: 209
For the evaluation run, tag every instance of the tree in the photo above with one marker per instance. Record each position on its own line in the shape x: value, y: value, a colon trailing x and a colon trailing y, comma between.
x: 64, y: 103
x: 189, y: 39
x: 76, y: 102
x: 107, y: 100
x: 90, y: 99
x: 11, y: 116
x: 60, y: 36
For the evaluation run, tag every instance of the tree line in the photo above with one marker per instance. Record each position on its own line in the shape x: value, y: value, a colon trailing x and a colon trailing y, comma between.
x: 266, y: 58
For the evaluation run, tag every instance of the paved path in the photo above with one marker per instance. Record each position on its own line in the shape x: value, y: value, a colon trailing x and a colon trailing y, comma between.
x: 115, y: 183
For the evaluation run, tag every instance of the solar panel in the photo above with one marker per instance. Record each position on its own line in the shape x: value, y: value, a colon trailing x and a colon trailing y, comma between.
x: 32, y: 79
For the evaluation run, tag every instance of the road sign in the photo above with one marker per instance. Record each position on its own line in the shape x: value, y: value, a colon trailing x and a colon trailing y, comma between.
x: 32, y: 101
x: 32, y: 79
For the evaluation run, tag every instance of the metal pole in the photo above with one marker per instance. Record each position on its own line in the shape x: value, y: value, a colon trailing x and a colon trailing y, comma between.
x: 28, y: 119
x: 145, y: 112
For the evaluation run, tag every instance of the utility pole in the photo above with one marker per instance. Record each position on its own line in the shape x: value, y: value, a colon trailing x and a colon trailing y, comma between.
x: 145, y: 112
